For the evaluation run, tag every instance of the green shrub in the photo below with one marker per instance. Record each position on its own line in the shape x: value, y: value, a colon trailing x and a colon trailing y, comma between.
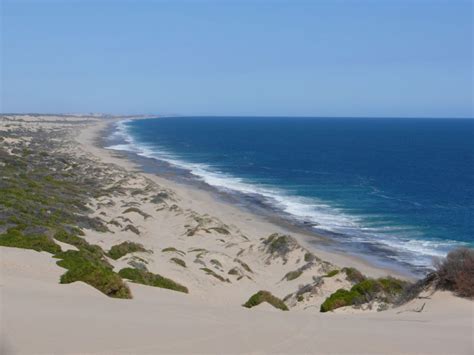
x: 244, y: 265
x: 119, y: 250
x: 393, y: 286
x: 220, y: 230
x: 79, y: 243
x: 278, y: 244
x: 147, y: 278
x: 132, y: 228
x: 212, y: 273
x: 234, y: 271
x: 178, y: 261
x: 332, y: 273
x: 137, y: 210
x: 216, y: 263
x: 353, y: 275
x: 174, y: 250
x: 292, y: 275
x: 86, y: 267
x: 340, y: 298
x: 383, y: 289
x: 14, y: 238
x: 309, y: 257
x: 265, y: 296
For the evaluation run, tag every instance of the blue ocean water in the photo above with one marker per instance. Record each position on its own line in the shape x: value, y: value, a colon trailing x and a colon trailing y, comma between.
x: 401, y: 186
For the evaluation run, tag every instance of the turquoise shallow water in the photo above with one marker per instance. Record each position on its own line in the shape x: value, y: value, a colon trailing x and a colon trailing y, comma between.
x: 400, y: 187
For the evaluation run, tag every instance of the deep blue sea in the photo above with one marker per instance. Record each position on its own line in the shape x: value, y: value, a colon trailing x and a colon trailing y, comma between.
x: 402, y: 188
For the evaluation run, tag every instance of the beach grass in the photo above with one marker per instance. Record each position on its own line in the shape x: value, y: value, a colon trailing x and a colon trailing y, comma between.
x: 15, y: 238
x: 265, y: 296
x: 332, y: 273
x: 147, y: 278
x: 292, y: 275
x: 383, y: 289
x: 179, y: 262
x: 86, y: 267
x: 213, y: 274
x: 122, y: 249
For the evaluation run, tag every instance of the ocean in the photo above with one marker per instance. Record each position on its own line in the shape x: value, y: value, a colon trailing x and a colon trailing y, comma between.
x: 397, y: 191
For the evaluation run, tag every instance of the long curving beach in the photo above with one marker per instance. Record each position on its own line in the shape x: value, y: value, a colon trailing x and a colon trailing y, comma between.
x: 220, y: 253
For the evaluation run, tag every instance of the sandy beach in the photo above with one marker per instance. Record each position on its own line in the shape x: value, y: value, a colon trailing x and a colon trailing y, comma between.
x: 221, y: 253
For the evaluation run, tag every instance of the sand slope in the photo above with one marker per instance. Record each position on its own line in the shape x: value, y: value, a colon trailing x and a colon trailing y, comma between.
x: 41, y: 316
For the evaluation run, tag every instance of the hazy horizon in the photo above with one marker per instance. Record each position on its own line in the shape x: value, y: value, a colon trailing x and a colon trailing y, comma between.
x: 239, y: 58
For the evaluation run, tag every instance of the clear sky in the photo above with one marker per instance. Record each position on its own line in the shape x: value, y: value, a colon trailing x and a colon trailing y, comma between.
x: 398, y: 58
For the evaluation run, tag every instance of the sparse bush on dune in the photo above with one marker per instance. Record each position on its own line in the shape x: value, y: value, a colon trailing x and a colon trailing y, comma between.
x: 132, y: 228
x: 456, y: 272
x: 178, y: 261
x: 137, y: 210
x: 383, y: 289
x: 147, y: 278
x: 278, y: 244
x: 234, y: 271
x: 309, y: 257
x: 292, y: 275
x: 174, y: 250
x: 265, y: 296
x: 212, y: 273
x: 119, y: 250
x: 78, y: 242
x: 353, y: 275
x: 332, y: 273
x: 85, y: 266
x: 14, y: 238
x: 244, y: 265
x: 340, y: 298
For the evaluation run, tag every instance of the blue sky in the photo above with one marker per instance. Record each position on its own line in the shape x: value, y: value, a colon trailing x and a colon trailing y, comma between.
x: 404, y: 58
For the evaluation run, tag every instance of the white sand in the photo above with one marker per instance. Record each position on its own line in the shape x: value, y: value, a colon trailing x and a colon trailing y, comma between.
x: 41, y: 316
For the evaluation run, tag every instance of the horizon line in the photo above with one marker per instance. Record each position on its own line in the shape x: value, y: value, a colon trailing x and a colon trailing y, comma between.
x: 149, y: 115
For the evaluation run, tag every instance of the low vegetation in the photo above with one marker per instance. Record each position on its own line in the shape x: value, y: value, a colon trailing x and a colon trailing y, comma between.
x: 384, y: 290
x: 131, y: 228
x: 79, y: 243
x: 278, y: 244
x: 178, y: 261
x: 212, y: 273
x: 234, y: 271
x: 173, y: 250
x: 122, y: 249
x: 85, y: 266
x: 353, y: 275
x: 216, y: 263
x: 332, y: 273
x: 14, y: 238
x: 137, y: 210
x: 292, y: 275
x: 456, y: 272
x: 244, y: 265
x: 265, y: 296
x: 42, y: 201
x: 309, y: 257
x: 147, y: 278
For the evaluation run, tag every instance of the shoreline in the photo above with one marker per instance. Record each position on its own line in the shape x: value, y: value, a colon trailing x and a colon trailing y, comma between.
x: 316, y: 242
